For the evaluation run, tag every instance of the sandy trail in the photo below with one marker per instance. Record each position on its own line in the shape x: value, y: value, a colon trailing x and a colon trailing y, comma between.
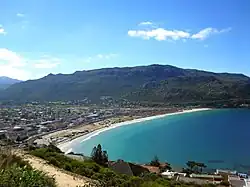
x: 62, y: 177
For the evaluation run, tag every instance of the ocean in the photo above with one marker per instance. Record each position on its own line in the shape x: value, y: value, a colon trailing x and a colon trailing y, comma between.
x: 218, y: 138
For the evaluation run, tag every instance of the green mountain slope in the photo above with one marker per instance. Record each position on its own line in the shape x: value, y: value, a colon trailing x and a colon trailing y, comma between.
x: 155, y: 83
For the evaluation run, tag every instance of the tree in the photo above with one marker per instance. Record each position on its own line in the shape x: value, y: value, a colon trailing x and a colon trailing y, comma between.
x: 105, y: 156
x: 191, y: 165
x: 195, y: 167
x: 165, y: 167
x: 99, y: 156
x: 93, y: 154
x: 201, y: 166
x: 155, y: 162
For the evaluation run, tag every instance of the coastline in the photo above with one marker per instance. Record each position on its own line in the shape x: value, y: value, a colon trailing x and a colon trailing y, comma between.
x: 67, y: 146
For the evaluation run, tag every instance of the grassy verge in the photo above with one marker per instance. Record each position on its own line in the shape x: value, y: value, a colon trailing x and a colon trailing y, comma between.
x: 14, y: 172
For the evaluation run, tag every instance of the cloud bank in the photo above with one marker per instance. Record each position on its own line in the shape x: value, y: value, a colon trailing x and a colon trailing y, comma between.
x: 162, y: 34
x: 17, y: 66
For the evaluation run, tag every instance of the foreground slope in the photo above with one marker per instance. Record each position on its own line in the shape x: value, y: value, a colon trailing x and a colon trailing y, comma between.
x: 62, y: 178
x: 155, y: 83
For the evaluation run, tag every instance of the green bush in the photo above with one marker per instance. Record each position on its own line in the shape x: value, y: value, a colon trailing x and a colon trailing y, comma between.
x: 105, y: 176
x: 15, y: 172
x: 54, y: 162
x: 7, y: 159
x: 16, y: 176
x: 68, y: 167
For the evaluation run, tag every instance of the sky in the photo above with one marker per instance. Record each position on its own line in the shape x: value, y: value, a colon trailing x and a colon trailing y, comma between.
x: 43, y: 36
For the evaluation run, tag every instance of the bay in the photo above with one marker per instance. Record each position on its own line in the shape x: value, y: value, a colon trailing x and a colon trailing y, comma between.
x: 218, y: 138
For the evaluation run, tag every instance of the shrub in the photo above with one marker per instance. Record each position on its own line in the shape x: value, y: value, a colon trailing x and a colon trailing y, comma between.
x: 155, y: 162
x: 7, y: 159
x: 54, y: 162
x: 67, y: 167
x: 105, y: 176
x: 24, y: 177
x: 15, y: 172
x: 53, y: 148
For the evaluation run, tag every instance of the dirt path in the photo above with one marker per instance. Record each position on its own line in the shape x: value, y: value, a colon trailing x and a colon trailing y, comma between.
x: 63, y: 178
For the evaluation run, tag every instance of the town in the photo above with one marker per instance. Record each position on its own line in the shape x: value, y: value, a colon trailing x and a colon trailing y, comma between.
x: 20, y: 123
x: 40, y: 125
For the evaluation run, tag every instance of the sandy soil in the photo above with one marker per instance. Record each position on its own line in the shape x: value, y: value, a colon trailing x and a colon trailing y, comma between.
x: 69, y: 134
x: 63, y: 178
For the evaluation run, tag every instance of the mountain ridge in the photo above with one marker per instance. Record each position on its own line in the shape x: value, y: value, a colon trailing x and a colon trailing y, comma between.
x: 5, y: 82
x: 153, y: 83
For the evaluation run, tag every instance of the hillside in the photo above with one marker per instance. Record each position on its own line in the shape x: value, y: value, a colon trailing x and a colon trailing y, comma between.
x: 5, y: 82
x: 155, y: 83
x: 16, y: 171
x: 104, y: 175
x: 62, y: 178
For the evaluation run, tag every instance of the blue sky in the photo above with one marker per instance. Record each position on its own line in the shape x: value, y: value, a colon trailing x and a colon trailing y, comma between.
x: 43, y: 36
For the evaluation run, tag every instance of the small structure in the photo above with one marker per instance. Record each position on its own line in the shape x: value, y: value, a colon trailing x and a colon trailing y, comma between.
x: 171, y: 174
x: 201, y: 179
x: 41, y: 142
x: 247, y: 182
x: 93, y: 116
x: 152, y: 169
x: 127, y: 168
x: 236, y: 181
x: 243, y: 175
x: 214, y: 178
x: 18, y: 128
x: 121, y: 167
x: 46, y: 122
x: 228, y: 172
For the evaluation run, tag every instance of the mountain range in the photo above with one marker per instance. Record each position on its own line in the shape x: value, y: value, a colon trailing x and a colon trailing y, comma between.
x: 154, y: 83
x: 5, y: 82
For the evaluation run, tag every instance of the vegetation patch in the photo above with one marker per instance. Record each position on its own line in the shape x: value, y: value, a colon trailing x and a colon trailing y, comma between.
x: 101, y: 172
x: 14, y: 172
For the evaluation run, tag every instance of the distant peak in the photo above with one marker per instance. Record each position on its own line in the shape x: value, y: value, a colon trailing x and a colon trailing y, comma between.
x: 50, y: 75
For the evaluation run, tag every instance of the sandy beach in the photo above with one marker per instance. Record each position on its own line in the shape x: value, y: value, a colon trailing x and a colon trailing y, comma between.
x: 67, y: 146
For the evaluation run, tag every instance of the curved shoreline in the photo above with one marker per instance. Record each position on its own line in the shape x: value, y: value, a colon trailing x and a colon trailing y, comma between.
x: 67, y: 146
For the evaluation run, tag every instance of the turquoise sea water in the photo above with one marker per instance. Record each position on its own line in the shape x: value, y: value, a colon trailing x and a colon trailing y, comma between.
x: 219, y: 138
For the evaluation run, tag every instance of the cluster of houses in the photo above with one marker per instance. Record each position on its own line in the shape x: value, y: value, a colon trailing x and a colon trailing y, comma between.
x: 20, y: 123
x: 222, y: 177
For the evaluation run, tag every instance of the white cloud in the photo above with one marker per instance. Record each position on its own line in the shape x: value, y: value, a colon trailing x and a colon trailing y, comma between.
x: 20, y: 15
x: 106, y: 56
x: 146, y: 23
x: 16, y: 66
x: 100, y: 57
x: 46, y: 63
x: 2, y: 31
x: 159, y: 34
x: 205, y: 33
x: 11, y: 65
x: 11, y: 58
x: 162, y: 34
x: 13, y: 72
